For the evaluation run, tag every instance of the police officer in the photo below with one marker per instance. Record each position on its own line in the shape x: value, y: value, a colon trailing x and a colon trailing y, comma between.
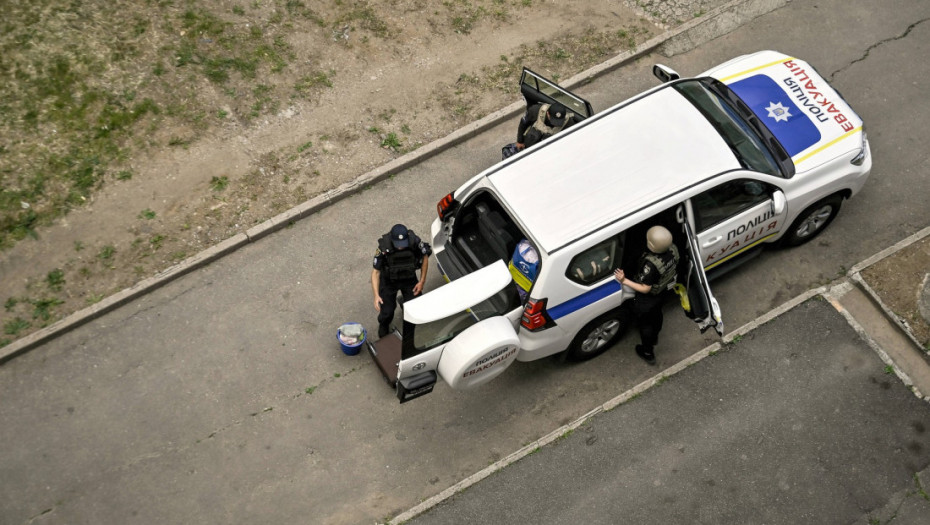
x: 541, y: 121
x: 400, y: 254
x: 656, y: 272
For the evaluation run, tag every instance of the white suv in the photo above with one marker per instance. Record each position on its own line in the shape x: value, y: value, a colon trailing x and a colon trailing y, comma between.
x: 755, y: 151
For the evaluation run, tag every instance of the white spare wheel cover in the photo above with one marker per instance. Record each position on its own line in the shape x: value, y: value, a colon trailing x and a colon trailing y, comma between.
x: 479, y: 354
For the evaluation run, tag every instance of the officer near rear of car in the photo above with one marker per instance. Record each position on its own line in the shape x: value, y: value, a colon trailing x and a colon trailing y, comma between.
x: 656, y: 271
x: 400, y: 254
x: 541, y: 121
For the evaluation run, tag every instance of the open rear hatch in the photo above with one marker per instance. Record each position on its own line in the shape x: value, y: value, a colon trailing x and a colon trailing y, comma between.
x: 456, y: 332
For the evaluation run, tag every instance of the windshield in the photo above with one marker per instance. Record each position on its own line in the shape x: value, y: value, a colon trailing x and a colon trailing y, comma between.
x: 742, y: 137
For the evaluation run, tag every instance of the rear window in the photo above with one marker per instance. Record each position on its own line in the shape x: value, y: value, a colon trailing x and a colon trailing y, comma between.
x: 429, y: 335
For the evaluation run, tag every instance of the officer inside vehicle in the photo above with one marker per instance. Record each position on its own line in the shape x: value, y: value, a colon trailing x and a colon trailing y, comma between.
x: 656, y: 271
x: 400, y: 254
x: 541, y: 121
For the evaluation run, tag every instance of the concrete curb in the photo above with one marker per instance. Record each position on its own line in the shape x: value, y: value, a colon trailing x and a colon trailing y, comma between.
x: 715, y: 23
x: 555, y: 435
x: 829, y: 292
x: 628, y: 395
x: 834, y: 296
x: 855, y: 275
x: 122, y: 297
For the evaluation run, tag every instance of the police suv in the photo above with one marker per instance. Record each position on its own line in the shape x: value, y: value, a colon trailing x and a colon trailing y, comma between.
x: 755, y: 151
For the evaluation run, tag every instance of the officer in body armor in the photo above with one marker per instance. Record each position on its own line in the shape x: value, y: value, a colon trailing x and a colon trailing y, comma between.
x: 656, y: 272
x: 400, y: 254
x: 541, y: 121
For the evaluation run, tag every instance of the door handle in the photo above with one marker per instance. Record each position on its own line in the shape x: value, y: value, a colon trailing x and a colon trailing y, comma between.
x: 711, y: 242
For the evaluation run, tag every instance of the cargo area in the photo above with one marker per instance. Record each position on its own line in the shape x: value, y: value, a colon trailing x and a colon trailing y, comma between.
x: 483, y: 233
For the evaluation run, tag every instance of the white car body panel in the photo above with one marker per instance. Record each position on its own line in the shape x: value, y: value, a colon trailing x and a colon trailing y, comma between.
x: 656, y: 145
x: 808, y: 116
x: 458, y: 295
x: 645, y: 156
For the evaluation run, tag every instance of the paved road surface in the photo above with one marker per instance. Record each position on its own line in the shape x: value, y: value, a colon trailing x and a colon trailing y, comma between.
x: 223, y: 397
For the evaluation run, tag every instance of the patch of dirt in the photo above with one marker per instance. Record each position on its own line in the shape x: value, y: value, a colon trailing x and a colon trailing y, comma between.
x: 899, y: 280
x: 249, y: 148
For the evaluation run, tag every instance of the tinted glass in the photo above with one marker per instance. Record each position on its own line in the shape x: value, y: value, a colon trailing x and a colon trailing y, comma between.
x: 726, y: 200
x: 748, y: 147
x: 596, y: 262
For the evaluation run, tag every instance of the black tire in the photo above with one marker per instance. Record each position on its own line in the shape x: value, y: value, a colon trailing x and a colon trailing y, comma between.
x: 812, y: 221
x: 598, y: 335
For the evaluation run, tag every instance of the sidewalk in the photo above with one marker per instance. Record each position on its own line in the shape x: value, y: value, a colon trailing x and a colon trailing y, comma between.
x: 797, y: 418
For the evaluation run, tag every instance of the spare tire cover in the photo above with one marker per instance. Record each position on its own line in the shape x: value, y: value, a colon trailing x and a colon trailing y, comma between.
x: 479, y: 354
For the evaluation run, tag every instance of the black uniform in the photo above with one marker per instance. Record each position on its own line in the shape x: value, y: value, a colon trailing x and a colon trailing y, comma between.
x: 398, y: 269
x: 657, y: 270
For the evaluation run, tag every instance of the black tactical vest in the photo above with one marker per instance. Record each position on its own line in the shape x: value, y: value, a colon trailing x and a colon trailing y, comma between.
x: 666, y: 264
x: 401, y: 264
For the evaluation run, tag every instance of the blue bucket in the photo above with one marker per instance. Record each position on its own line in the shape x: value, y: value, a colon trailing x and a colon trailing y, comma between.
x: 351, y: 337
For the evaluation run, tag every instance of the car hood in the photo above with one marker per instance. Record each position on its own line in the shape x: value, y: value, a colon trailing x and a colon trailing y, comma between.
x: 808, y: 116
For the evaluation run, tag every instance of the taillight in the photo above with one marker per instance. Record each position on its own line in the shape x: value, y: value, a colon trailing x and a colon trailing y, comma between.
x: 445, y: 206
x: 535, y: 317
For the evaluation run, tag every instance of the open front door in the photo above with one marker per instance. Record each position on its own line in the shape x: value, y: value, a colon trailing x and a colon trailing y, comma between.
x: 704, y: 309
x: 536, y: 88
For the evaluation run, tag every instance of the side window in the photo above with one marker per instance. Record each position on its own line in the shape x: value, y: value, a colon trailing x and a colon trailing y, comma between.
x: 726, y: 200
x: 596, y: 262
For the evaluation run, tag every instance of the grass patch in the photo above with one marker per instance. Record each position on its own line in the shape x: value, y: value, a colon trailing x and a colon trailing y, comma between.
x: 391, y: 142
x: 219, y: 183
x: 55, y: 279
x: 10, y: 304
x: 42, y: 308
x: 87, y: 83
x: 156, y: 241
x: 106, y: 253
x: 15, y: 326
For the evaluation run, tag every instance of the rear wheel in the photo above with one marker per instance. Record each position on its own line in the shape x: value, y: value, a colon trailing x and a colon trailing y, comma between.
x: 598, y: 335
x: 813, y: 220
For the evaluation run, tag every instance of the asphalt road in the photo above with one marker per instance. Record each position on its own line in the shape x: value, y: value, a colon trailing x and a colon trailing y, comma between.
x: 797, y: 422
x: 223, y: 397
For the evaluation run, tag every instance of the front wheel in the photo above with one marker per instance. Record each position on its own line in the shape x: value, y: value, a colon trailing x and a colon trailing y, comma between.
x: 812, y: 221
x: 598, y: 335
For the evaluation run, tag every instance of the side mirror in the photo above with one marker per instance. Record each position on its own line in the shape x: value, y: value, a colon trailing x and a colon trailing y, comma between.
x: 779, y: 202
x: 665, y: 73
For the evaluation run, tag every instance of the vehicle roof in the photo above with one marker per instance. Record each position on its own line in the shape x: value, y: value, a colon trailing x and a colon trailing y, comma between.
x: 609, y: 166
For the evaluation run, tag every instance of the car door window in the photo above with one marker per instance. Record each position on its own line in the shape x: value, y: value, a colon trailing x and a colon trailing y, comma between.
x: 537, y: 88
x: 727, y: 200
x: 596, y: 262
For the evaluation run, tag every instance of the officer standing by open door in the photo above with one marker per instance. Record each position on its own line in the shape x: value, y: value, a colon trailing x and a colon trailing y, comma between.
x: 400, y: 254
x: 656, y: 271
x: 542, y: 121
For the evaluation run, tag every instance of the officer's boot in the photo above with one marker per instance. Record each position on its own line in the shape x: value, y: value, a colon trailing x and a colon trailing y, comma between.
x: 646, y: 354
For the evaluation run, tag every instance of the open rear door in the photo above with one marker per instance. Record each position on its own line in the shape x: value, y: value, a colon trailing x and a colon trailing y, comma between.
x: 702, y: 307
x: 535, y: 88
x: 453, y: 332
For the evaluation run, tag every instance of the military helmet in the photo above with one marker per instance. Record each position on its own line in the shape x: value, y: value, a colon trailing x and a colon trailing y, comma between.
x: 658, y: 239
